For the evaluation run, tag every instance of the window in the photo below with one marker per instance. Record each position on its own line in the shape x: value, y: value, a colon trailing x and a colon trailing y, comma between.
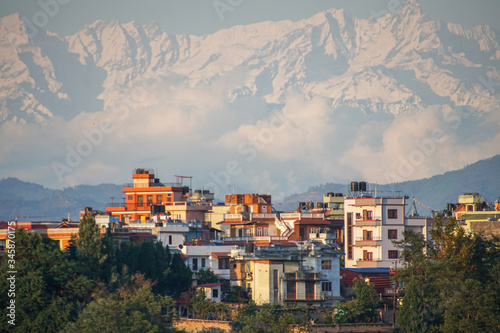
x: 215, y: 293
x: 159, y: 199
x: 349, y: 241
x: 393, y: 254
x: 259, y: 231
x: 130, y: 197
x: 392, y: 234
x: 349, y: 218
x: 195, y: 264
x: 150, y: 200
x: 170, y: 239
x: 203, y: 262
x: 326, y: 286
x: 223, y: 263
x: 367, y: 235
x: 266, y: 231
x: 264, y: 209
x: 326, y: 264
x: 358, y: 216
x: 140, y: 199
x: 367, y: 255
x: 392, y: 213
x: 178, y: 216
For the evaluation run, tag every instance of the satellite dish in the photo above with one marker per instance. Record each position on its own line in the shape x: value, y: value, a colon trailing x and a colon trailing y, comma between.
x: 180, y: 246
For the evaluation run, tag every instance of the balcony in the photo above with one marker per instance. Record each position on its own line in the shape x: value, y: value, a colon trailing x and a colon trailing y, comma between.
x: 368, y: 221
x: 254, y: 238
x: 365, y: 241
x: 144, y: 185
x: 116, y: 204
x: 368, y: 262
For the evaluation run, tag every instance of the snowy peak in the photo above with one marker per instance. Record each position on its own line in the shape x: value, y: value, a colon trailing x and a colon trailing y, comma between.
x: 396, y: 61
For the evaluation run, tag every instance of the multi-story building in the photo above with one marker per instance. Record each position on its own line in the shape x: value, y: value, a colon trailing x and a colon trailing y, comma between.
x: 372, y: 223
x: 147, y: 196
x: 251, y: 220
x: 474, y: 213
x: 213, y: 257
x: 305, y: 273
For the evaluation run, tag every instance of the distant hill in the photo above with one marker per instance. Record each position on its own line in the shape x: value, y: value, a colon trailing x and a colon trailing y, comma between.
x: 29, y: 201
x: 482, y: 177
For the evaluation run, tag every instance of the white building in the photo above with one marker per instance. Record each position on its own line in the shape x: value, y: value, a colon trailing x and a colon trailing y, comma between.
x: 371, y: 225
x: 214, y: 257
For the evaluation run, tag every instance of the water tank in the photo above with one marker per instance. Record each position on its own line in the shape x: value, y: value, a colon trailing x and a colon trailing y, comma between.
x: 362, y: 186
x: 354, y: 186
x: 302, y: 205
x: 339, y: 194
x: 319, y: 205
x: 330, y: 194
x: 310, y: 205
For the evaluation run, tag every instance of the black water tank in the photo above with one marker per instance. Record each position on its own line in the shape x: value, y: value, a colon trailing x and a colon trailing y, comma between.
x: 362, y: 186
x: 319, y: 205
x: 354, y: 186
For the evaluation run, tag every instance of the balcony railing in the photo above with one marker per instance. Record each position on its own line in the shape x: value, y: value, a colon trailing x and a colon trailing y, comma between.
x: 368, y: 221
x: 254, y: 238
x: 368, y: 262
x: 142, y: 185
x: 368, y: 241
x: 116, y: 204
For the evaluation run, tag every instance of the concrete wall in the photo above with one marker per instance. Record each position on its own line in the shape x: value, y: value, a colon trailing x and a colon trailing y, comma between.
x: 198, y: 325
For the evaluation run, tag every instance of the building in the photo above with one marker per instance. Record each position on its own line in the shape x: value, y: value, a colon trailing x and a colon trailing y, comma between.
x: 474, y: 213
x: 213, y: 257
x: 147, y: 196
x: 372, y: 223
x: 60, y: 232
x: 213, y: 291
x: 251, y: 220
x: 305, y: 273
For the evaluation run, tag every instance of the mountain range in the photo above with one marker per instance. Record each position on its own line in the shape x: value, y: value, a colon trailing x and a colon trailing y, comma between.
x: 29, y: 201
x: 328, y: 98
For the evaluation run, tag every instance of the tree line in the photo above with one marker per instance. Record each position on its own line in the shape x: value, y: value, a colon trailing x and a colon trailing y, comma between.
x: 93, y: 286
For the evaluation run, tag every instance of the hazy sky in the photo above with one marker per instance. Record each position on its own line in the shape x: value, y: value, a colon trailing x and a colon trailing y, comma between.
x: 206, y: 16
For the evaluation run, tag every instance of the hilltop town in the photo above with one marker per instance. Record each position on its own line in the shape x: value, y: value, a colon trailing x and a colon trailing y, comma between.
x: 311, y: 256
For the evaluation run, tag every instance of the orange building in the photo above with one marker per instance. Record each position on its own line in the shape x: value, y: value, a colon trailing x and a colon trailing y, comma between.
x: 58, y: 231
x: 147, y: 193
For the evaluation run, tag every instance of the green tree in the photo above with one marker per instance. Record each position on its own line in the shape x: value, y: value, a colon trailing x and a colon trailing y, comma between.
x: 363, y: 308
x: 202, y: 307
x: 179, y: 277
x: 454, y: 286
x: 206, y: 276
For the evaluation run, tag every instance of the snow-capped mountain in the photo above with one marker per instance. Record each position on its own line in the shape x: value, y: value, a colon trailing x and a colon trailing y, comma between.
x: 391, y: 64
